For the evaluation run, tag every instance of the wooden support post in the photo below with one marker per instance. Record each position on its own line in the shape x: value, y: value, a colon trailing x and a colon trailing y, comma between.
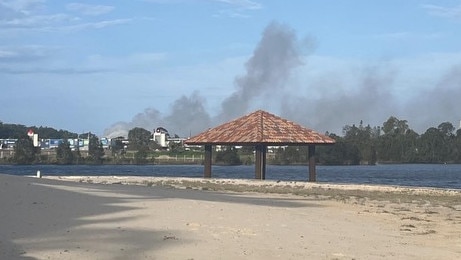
x: 263, y: 162
x: 260, y: 162
x: 257, y: 162
x: 207, y: 162
x: 312, y: 173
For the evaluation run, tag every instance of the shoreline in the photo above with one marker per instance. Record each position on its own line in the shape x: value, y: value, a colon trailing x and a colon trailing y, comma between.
x: 431, y: 199
x: 261, y: 186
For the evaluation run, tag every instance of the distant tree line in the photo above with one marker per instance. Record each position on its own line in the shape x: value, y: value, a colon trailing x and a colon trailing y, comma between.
x: 140, y: 145
x: 16, y: 131
x: 393, y: 142
x: 26, y: 153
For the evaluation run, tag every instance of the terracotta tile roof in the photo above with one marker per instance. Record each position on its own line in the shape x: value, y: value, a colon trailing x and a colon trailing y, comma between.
x: 260, y: 127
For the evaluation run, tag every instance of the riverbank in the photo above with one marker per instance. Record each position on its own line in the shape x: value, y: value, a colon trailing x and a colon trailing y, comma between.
x: 192, y: 218
x: 341, y: 192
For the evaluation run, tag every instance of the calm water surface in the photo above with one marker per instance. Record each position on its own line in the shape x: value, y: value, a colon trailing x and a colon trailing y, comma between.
x: 421, y: 175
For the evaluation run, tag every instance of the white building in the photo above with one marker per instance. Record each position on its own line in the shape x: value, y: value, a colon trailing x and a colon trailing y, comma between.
x: 161, y: 136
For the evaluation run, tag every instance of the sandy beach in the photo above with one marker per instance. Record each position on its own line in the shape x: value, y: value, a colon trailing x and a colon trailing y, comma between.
x: 181, y: 218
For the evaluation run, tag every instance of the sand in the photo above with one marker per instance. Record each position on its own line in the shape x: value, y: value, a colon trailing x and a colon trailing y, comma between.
x: 181, y: 218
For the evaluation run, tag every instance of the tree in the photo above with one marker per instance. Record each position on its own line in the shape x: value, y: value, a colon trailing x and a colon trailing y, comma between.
x: 176, y: 147
x: 15, y: 131
x: 457, y: 147
x: 247, y: 150
x: 95, y: 150
x: 64, y: 154
x: 439, y: 144
x: 332, y: 154
x: 117, y: 146
x: 410, y: 143
x: 446, y: 129
x: 140, y: 157
x: 12, y: 131
x: 449, y: 140
x: 398, y: 144
x: 360, y: 144
x: 394, y: 125
x: 24, y: 151
x: 48, y: 132
x: 139, y: 138
x: 430, y: 145
x: 228, y: 156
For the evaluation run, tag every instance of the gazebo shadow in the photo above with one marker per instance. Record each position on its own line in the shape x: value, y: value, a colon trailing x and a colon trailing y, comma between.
x: 58, y: 218
x: 51, y: 218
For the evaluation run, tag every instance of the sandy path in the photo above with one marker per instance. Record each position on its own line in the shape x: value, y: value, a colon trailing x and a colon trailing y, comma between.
x: 51, y: 219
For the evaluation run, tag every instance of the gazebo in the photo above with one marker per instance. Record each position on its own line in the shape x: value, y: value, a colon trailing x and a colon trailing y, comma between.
x: 260, y: 129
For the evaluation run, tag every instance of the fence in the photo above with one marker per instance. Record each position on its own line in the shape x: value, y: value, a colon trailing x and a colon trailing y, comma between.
x: 179, y: 159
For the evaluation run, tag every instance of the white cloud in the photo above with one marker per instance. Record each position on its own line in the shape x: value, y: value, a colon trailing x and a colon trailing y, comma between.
x: 23, y: 17
x: 90, y: 25
x: 133, y: 63
x: 56, y: 23
x: 237, y: 8
x: 25, y: 53
x: 242, y: 4
x: 233, y: 8
x: 36, y: 21
x: 447, y: 12
x: 5, y: 54
x: 22, y: 6
x: 33, y: 59
x: 93, y: 10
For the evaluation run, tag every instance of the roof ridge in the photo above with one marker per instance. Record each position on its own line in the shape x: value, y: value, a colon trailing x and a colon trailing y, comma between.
x: 261, y: 124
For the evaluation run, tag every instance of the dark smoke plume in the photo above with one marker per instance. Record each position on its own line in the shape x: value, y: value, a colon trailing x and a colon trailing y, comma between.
x: 276, y: 55
x: 328, y: 104
x: 338, y: 105
x: 149, y: 119
x: 442, y: 102
x: 188, y: 116
x: 267, y: 71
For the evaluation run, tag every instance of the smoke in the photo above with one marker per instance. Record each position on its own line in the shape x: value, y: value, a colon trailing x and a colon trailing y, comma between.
x: 369, y: 101
x: 267, y: 71
x: 276, y: 55
x: 327, y: 103
x: 149, y: 119
x: 188, y: 115
x: 374, y: 99
x: 441, y: 102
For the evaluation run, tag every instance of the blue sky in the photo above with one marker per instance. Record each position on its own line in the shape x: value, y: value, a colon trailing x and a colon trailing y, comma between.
x: 109, y: 66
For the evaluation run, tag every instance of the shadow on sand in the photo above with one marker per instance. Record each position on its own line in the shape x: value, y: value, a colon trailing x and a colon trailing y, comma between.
x: 56, y: 218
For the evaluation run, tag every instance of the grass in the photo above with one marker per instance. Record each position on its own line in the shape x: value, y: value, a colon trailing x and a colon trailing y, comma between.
x: 356, y: 196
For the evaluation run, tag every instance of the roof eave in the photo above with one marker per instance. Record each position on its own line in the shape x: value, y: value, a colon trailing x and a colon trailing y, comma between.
x: 259, y: 143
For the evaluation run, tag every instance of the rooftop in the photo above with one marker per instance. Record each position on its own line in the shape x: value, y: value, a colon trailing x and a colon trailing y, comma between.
x: 260, y: 127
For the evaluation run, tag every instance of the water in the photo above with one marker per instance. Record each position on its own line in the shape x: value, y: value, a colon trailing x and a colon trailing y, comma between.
x: 419, y: 175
